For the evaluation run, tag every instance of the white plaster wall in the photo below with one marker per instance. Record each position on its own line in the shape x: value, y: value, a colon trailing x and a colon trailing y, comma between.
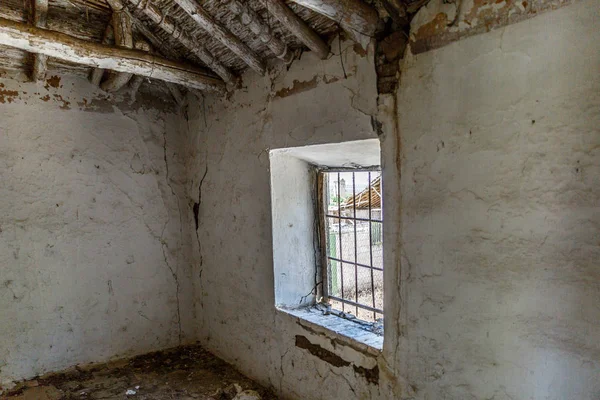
x: 90, y: 228
x: 500, y: 230
x: 234, y: 277
x: 491, y: 233
x: 294, y: 268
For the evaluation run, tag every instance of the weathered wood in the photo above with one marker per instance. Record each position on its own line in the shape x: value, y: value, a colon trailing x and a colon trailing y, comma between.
x: 98, y: 73
x: 170, y: 27
x: 298, y: 27
x: 154, y: 41
x: 121, y: 23
x: 68, y: 48
x: 222, y: 34
x: 249, y: 18
x: 40, y: 66
x: 40, y: 61
x: 137, y: 80
x: 134, y: 86
x: 321, y: 204
x: 352, y: 15
x: 40, y: 13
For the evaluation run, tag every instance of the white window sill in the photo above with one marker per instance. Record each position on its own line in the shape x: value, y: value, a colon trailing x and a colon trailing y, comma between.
x: 352, y: 333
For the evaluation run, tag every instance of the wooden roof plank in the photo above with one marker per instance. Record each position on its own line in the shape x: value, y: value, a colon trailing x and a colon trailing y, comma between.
x: 68, y: 48
x: 224, y: 35
x: 298, y: 27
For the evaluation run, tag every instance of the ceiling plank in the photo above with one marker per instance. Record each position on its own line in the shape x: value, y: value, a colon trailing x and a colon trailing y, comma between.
x: 352, y: 15
x: 224, y: 35
x: 249, y: 18
x: 123, y: 32
x: 155, y: 41
x: 40, y: 61
x: 171, y: 28
x: 298, y: 27
x: 68, y: 48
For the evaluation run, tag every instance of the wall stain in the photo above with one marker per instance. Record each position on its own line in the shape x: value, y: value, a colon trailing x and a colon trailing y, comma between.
x: 334, y: 342
x: 65, y: 105
x: 358, y: 49
x: 303, y: 343
x: 7, y: 95
x: 483, y: 16
x: 371, y: 375
x: 53, y: 81
x: 434, y: 27
x: 298, y: 87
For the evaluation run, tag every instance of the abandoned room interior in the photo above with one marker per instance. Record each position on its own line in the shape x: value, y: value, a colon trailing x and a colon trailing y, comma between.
x: 300, y: 199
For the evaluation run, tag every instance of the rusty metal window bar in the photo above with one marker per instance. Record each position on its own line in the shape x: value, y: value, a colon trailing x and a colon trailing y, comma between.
x: 352, y: 227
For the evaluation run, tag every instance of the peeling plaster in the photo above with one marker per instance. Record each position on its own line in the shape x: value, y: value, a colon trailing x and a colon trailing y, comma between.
x: 329, y: 357
x: 442, y: 22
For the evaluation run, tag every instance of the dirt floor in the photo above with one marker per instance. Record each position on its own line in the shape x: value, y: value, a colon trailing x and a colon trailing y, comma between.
x: 182, y: 373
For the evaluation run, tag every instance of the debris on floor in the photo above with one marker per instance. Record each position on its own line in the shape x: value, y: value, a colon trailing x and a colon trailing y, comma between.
x: 183, y: 373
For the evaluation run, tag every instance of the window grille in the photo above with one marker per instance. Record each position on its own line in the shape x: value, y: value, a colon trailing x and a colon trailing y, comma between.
x: 352, y: 222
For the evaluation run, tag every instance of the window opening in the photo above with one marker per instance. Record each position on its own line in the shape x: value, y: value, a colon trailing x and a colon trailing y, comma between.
x: 352, y: 223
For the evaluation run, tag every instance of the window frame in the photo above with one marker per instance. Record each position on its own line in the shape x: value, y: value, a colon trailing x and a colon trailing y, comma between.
x: 325, y: 259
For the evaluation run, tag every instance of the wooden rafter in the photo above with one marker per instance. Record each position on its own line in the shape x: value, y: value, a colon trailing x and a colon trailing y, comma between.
x: 298, y: 27
x: 352, y: 15
x: 69, y: 48
x: 121, y: 23
x: 171, y: 28
x: 154, y: 41
x: 40, y: 61
x: 98, y: 73
x: 224, y: 35
x: 137, y: 80
x: 249, y: 18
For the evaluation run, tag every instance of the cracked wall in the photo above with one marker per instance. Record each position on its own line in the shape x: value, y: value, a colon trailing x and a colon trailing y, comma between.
x: 491, y: 163
x: 311, y: 103
x: 94, y: 258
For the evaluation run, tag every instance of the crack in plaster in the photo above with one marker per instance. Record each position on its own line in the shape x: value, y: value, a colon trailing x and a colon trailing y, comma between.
x: 164, y: 243
x: 196, y: 219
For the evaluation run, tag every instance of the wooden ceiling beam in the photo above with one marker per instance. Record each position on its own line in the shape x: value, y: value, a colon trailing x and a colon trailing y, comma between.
x: 352, y: 15
x: 171, y: 28
x: 155, y: 41
x: 40, y: 61
x: 222, y: 34
x: 121, y: 23
x: 108, y: 38
x: 298, y: 27
x: 249, y: 18
x: 71, y: 49
x: 137, y: 80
